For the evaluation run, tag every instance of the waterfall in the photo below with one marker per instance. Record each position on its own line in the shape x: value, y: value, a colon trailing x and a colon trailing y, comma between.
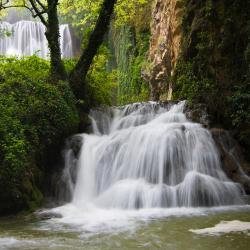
x: 148, y: 155
x: 27, y: 38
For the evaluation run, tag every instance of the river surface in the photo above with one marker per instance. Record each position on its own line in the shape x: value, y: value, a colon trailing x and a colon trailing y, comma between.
x: 155, y: 229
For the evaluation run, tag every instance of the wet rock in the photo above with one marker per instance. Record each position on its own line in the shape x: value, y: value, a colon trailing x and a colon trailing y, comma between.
x: 197, y: 113
x: 46, y: 215
x: 101, y: 118
x: 58, y: 189
x: 233, y: 162
x: 75, y: 143
x: 246, y: 199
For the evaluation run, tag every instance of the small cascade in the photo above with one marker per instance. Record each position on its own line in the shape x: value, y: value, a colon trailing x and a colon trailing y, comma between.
x: 27, y: 38
x: 148, y: 155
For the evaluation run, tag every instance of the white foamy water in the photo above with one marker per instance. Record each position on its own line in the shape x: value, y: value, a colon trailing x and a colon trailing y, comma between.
x: 7, y: 243
x: 225, y: 227
x: 91, y: 220
x: 27, y: 38
x: 144, y: 161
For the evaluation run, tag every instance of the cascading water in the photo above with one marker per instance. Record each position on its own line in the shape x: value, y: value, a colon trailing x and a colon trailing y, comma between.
x: 149, y: 156
x: 27, y: 38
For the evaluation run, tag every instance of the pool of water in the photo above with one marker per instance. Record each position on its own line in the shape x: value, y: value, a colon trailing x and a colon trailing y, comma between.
x: 158, y: 229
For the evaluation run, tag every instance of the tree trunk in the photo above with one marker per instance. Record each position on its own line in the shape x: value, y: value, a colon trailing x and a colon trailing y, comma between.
x: 78, y: 75
x: 58, y: 71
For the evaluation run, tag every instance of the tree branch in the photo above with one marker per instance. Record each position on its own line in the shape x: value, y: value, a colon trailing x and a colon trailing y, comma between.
x: 79, y: 73
x: 35, y: 12
x: 17, y: 6
x: 3, y: 4
x: 41, y: 5
x: 38, y: 12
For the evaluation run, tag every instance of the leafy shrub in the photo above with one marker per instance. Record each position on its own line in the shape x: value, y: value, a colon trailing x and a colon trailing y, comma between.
x: 35, y: 118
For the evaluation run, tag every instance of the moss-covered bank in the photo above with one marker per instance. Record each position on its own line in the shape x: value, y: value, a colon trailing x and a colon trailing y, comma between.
x: 36, y: 117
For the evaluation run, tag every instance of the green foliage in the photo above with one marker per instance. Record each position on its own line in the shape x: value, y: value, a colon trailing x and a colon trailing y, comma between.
x: 81, y: 13
x: 141, y: 97
x: 131, y: 41
x: 31, y: 69
x: 102, y: 84
x: 185, y: 82
x: 130, y: 52
x: 35, y: 117
x: 131, y: 11
x: 239, y: 106
x: 189, y: 86
x: 131, y: 37
x: 84, y: 13
x: 239, y: 113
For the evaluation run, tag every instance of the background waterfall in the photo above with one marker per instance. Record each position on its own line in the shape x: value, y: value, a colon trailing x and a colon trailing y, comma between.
x: 27, y: 38
x: 149, y: 156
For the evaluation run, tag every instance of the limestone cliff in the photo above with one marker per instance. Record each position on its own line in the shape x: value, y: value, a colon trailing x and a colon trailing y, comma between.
x: 164, y: 46
x: 200, y: 51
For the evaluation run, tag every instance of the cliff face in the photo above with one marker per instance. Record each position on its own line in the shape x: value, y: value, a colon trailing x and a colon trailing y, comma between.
x: 214, y: 66
x: 164, y: 46
x: 200, y: 51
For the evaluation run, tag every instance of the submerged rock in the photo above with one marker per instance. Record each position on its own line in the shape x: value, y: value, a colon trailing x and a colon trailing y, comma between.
x: 45, y: 215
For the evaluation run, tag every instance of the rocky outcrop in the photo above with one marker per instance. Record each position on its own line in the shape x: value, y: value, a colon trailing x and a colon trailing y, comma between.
x: 164, y: 46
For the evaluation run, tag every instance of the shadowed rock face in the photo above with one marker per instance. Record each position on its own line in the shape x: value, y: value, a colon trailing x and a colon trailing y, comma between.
x: 233, y: 162
x: 164, y: 45
x: 198, y: 113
